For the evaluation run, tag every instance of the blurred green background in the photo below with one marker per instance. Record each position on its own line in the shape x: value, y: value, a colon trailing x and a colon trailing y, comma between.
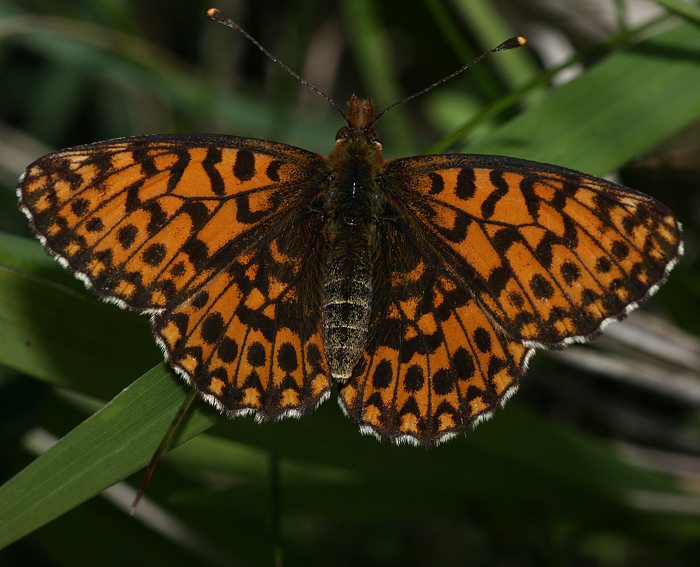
x: 596, y: 461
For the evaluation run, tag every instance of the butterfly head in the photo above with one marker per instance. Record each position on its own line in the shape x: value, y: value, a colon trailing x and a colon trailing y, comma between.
x: 359, y: 131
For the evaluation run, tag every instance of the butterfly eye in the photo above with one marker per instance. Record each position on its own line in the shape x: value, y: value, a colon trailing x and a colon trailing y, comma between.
x: 373, y: 136
x: 342, y: 134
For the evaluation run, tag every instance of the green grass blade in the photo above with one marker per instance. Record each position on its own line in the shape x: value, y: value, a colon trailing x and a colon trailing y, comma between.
x: 682, y: 9
x: 620, y: 108
x: 105, y: 448
x: 489, y: 26
x: 57, y: 333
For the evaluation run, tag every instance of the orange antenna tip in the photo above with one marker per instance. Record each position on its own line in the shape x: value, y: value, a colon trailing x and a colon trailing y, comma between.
x: 512, y: 43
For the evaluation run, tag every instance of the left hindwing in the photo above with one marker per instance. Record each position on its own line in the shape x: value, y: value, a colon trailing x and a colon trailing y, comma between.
x: 249, y: 339
x: 549, y: 253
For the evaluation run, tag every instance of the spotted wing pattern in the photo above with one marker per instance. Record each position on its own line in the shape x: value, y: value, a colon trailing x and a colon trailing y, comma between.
x: 434, y: 363
x: 549, y: 253
x: 480, y: 259
x: 249, y: 338
x: 142, y: 220
x: 188, y: 228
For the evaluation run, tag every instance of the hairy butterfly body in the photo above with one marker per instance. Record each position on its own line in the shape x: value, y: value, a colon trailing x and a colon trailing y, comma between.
x: 354, y: 206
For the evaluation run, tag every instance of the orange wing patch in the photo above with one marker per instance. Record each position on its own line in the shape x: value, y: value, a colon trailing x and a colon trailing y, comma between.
x: 551, y: 254
x: 238, y: 339
x: 434, y: 365
x: 141, y: 219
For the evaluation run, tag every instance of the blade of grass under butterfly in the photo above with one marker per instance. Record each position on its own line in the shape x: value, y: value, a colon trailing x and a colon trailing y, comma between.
x: 165, y: 444
x: 104, y: 350
x: 107, y: 447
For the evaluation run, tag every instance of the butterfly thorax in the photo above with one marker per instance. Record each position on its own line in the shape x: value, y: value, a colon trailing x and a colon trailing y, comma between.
x: 353, y: 205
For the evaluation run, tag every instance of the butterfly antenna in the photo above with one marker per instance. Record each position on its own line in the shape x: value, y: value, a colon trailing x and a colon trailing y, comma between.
x: 218, y: 16
x: 512, y: 43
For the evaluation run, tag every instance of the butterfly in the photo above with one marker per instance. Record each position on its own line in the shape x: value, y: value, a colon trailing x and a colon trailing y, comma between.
x: 420, y: 286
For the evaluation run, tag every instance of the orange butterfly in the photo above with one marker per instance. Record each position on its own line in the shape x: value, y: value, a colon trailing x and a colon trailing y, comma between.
x: 421, y: 285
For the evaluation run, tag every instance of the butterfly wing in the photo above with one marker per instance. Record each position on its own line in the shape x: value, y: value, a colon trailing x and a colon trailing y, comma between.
x: 189, y: 228
x: 435, y: 363
x: 549, y: 253
x: 490, y: 257
x: 143, y: 220
x: 249, y: 338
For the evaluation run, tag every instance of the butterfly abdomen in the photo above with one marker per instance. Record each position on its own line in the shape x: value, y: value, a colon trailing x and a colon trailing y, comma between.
x: 352, y: 206
x: 346, y: 308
